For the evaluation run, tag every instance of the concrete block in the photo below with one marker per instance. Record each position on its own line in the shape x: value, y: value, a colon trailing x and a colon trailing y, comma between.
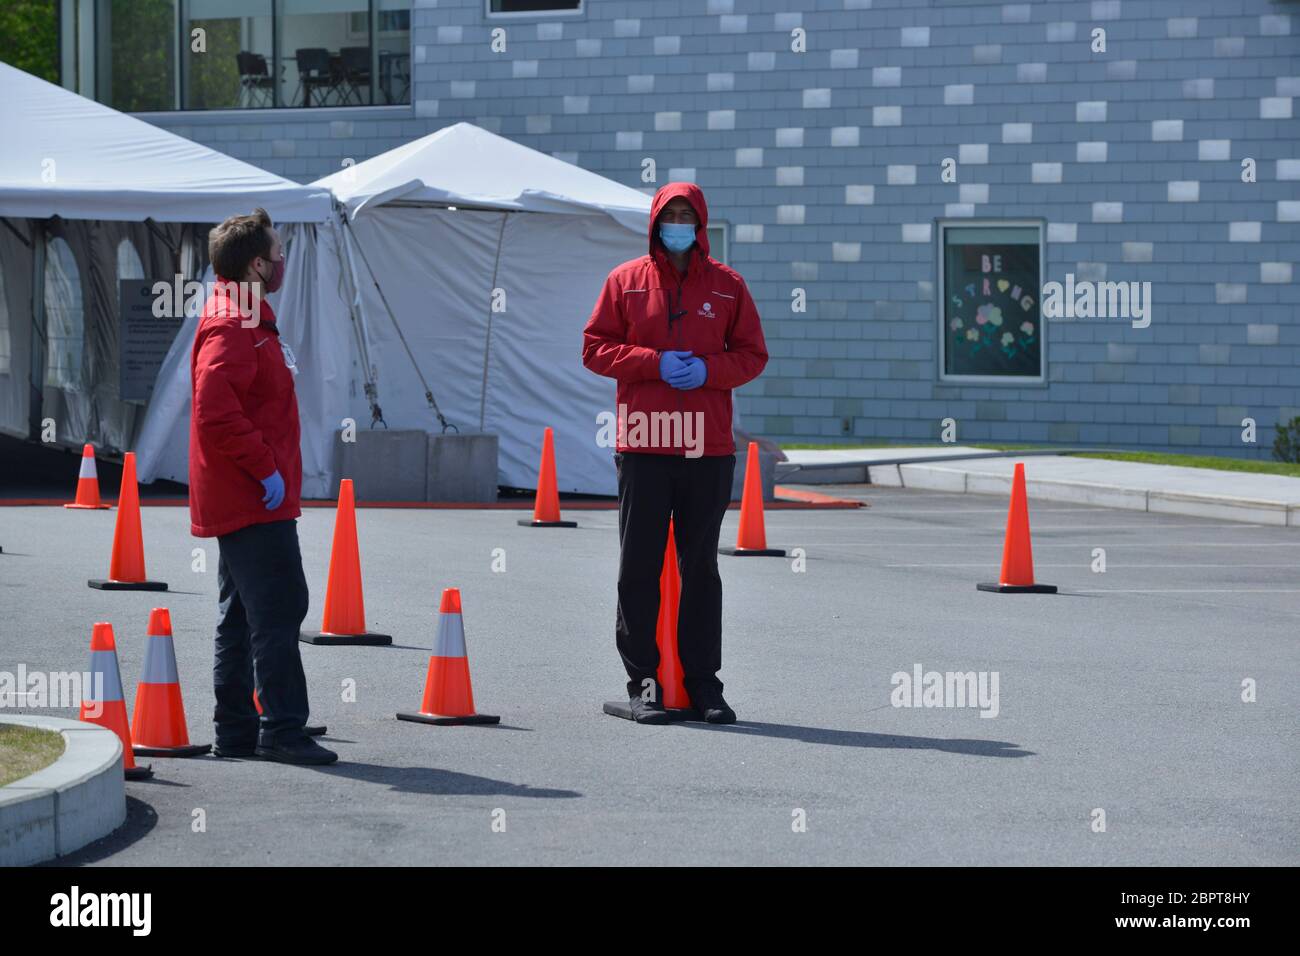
x: 1219, y: 506
x: 931, y: 478
x: 384, y: 464
x: 887, y: 476
x: 461, y: 467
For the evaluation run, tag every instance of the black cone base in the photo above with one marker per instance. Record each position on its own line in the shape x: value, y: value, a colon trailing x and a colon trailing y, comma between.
x: 139, y: 772
x: 1018, y: 588
x: 110, y: 585
x: 753, y: 552
x: 339, y: 640
x: 190, y: 750
x: 623, y: 709
x: 450, y: 721
x: 530, y: 523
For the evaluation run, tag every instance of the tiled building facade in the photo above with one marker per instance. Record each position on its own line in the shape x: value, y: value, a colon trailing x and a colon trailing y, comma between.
x: 826, y: 164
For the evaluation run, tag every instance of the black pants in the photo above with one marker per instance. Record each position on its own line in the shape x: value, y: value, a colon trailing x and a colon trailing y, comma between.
x: 262, y: 596
x: 695, y: 492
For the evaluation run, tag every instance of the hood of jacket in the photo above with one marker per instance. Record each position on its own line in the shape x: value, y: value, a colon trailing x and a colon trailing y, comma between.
x: 693, y: 195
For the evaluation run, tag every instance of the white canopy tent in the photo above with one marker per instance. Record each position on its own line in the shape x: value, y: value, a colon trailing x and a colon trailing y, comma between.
x: 88, y: 197
x: 395, y: 299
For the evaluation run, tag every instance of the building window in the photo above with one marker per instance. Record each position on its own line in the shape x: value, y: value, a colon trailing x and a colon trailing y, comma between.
x: 65, y: 317
x: 533, y: 7
x: 718, y: 242
x: 150, y: 55
x: 990, y: 277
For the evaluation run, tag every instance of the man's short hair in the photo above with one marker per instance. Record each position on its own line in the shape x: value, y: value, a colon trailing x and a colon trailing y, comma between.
x: 233, y: 245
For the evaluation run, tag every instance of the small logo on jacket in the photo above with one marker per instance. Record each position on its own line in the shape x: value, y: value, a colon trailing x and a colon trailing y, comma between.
x: 706, y: 310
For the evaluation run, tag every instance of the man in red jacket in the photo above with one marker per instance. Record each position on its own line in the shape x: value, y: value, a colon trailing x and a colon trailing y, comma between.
x: 679, y: 331
x: 245, y: 480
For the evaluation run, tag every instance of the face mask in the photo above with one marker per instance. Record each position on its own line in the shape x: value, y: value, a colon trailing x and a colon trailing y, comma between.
x: 676, y: 236
x: 277, y: 275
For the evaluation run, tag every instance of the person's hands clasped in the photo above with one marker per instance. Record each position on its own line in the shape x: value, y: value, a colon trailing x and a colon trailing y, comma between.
x: 672, y: 363
x: 691, y: 375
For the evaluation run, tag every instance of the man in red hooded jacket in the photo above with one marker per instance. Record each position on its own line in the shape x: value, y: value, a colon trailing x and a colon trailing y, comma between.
x: 678, y: 331
x: 245, y: 479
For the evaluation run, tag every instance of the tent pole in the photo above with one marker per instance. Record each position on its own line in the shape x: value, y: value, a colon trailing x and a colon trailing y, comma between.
x: 346, y: 238
x: 36, y: 383
x: 487, y: 340
x: 428, y: 392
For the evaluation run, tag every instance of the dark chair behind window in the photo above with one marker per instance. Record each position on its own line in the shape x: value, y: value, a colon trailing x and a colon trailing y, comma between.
x: 355, y: 62
x: 314, y: 75
x: 255, y: 85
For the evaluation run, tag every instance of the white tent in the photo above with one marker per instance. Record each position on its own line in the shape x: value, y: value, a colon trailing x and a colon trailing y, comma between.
x: 90, y: 197
x: 395, y: 300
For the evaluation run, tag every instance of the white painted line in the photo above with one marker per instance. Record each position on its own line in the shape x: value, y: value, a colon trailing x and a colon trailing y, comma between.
x: 1185, y: 590
x: 1085, y: 564
x: 1134, y: 545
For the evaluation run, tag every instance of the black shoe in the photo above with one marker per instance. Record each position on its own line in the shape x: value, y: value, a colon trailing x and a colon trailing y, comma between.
x: 303, y: 751
x: 715, y: 710
x: 647, y: 711
x: 243, y: 751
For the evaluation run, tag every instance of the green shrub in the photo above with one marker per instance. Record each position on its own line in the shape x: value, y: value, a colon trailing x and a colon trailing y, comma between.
x: 1286, y: 446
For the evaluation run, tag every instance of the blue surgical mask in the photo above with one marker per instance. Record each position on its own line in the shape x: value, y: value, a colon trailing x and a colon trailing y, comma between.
x: 676, y: 236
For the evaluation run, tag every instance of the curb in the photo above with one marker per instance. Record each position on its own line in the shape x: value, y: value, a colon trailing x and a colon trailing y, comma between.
x: 74, y: 801
x: 1223, y: 507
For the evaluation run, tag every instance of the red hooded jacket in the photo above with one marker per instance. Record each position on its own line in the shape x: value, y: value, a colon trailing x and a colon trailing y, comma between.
x: 244, y: 419
x: 629, y: 329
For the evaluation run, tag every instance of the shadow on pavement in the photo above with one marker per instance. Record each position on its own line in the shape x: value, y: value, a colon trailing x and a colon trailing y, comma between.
x: 857, y: 738
x: 141, y: 818
x: 434, y: 781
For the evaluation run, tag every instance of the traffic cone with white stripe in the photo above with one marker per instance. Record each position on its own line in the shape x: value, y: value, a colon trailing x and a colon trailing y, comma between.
x: 158, y: 722
x: 102, y: 703
x: 88, y: 483
x: 1017, y: 576
x: 448, y: 695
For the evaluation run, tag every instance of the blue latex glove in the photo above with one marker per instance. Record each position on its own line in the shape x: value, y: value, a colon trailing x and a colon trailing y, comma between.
x: 691, y: 375
x: 670, y: 363
x: 274, y: 486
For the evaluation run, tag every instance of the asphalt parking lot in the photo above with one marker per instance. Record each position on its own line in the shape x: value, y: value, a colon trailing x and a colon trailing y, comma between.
x: 1123, y: 693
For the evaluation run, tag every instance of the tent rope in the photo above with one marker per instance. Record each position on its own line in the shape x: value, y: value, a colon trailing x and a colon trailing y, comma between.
x: 370, y: 389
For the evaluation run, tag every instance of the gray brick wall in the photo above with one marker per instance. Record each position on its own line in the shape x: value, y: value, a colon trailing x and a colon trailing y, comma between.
x: 826, y: 166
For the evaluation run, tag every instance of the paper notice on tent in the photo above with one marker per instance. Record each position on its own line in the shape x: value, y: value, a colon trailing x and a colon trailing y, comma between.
x: 143, y: 338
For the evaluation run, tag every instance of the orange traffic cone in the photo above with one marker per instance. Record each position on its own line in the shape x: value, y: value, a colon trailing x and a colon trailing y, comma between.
x: 672, y: 689
x: 1017, y: 575
x: 751, y: 539
x: 126, y: 568
x: 670, y: 665
x: 88, y: 482
x: 448, y: 695
x: 344, y: 621
x: 158, y: 722
x: 311, y: 730
x: 546, y: 506
x: 102, y: 702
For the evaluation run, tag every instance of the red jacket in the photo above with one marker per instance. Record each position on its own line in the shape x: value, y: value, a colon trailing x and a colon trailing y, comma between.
x: 244, y: 421
x: 629, y: 328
